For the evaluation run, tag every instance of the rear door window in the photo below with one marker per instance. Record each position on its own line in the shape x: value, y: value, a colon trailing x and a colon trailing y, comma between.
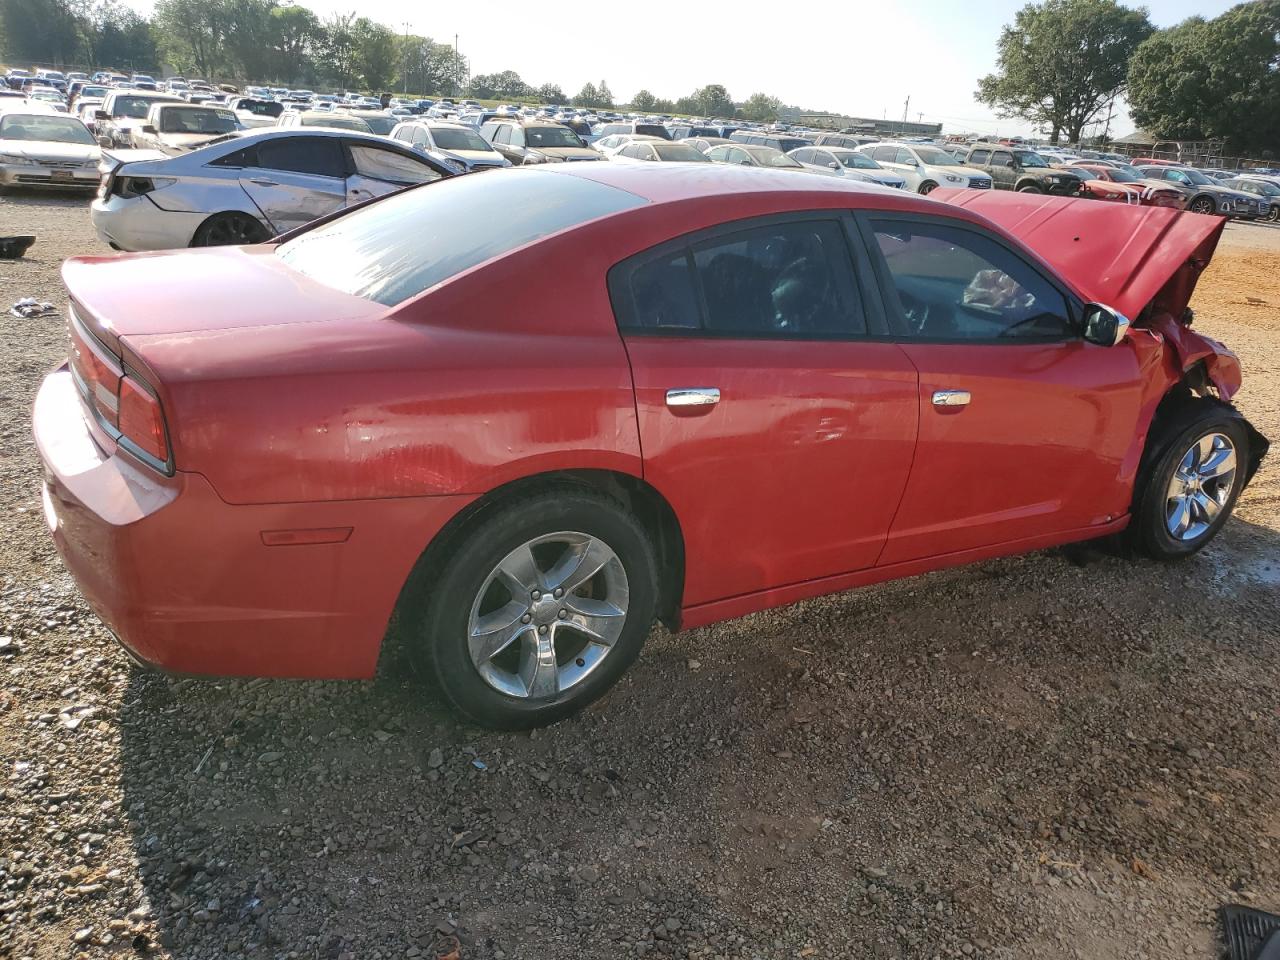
x: 390, y: 166
x: 319, y: 156
x: 979, y: 156
x: 789, y: 280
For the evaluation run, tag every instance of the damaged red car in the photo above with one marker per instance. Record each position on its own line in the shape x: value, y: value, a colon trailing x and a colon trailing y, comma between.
x: 524, y: 415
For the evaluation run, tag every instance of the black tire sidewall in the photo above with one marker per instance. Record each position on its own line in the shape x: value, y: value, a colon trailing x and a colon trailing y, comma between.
x: 440, y: 644
x: 1151, y: 532
x: 1030, y: 188
x: 927, y: 188
x: 201, y: 237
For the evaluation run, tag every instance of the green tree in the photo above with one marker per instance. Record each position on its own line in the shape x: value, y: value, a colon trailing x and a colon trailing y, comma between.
x: 192, y: 34
x: 248, y: 36
x: 1213, y: 78
x: 663, y: 106
x: 604, y: 95
x: 431, y: 66
x: 588, y: 96
x: 761, y: 108
x: 643, y: 101
x: 1061, y: 61
x: 551, y: 93
x: 714, y: 101
x: 338, y: 49
x: 38, y: 31
x: 377, y: 54
x: 688, y: 105
x: 295, y: 33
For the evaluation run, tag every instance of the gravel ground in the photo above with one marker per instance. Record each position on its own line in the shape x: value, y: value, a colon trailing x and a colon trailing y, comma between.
x: 1060, y: 755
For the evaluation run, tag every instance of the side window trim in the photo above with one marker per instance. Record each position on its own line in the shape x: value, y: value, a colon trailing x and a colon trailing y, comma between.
x: 888, y: 291
x: 618, y: 280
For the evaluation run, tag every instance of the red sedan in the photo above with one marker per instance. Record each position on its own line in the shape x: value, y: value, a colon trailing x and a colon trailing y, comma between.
x: 526, y: 414
x: 1114, y: 183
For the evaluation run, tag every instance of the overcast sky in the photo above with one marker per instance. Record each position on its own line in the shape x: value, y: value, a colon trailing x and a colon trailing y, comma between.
x: 861, y: 59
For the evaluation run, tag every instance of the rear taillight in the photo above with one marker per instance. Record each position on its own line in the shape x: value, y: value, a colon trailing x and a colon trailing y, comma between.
x: 141, y: 419
x: 122, y: 403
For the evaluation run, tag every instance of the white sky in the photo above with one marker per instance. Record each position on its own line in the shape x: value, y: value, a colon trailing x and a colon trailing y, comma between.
x: 861, y: 59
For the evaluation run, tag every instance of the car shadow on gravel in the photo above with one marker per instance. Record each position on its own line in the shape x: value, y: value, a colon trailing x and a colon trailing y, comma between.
x: 954, y: 760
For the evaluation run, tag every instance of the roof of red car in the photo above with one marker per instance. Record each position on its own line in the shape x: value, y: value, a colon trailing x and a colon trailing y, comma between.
x: 665, y: 182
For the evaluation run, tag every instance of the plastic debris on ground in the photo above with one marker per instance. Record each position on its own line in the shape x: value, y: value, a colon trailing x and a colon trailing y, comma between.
x: 11, y: 248
x: 31, y: 307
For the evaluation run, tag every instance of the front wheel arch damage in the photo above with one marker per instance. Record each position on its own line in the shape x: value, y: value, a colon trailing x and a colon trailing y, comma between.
x: 633, y: 494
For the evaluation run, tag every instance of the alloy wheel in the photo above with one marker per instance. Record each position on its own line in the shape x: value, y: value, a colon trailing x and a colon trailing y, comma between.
x: 1200, y: 487
x: 234, y: 230
x: 1203, y: 205
x: 548, y: 615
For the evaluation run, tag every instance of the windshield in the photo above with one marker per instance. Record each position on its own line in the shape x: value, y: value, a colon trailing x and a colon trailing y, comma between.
x: 857, y: 161
x: 552, y: 137
x: 1029, y: 159
x: 1259, y: 186
x: 935, y: 157
x: 333, y: 120
x: 1198, y: 178
x: 22, y: 126
x: 135, y: 108
x: 679, y: 151
x: 449, y: 138
x: 769, y: 157
x: 396, y: 248
x: 1122, y: 175
x: 381, y: 125
x: 196, y: 120
x: 93, y: 91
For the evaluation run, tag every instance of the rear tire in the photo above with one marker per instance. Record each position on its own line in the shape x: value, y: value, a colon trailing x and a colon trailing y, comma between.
x: 510, y: 637
x: 230, y: 229
x: 1192, y: 475
x: 1273, y: 214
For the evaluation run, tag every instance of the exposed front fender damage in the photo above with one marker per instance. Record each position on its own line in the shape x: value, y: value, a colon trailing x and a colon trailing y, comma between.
x: 1221, y: 366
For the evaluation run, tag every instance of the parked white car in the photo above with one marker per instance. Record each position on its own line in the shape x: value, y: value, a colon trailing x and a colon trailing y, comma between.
x: 250, y: 187
x: 253, y: 112
x: 46, y: 149
x: 175, y: 127
x: 122, y: 110
x: 848, y: 163
x: 925, y: 167
x: 455, y: 141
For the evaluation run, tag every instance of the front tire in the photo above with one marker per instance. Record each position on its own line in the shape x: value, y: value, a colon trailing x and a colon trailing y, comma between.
x: 1030, y: 188
x: 928, y: 187
x: 1202, y: 205
x: 1191, y: 479
x: 541, y: 608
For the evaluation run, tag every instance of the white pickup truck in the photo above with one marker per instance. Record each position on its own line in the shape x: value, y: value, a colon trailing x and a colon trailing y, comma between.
x: 174, y: 127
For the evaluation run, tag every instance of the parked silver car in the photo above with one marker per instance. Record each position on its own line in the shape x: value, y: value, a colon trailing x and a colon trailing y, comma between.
x: 454, y: 141
x: 246, y: 188
x: 848, y: 163
x: 47, y: 150
x: 925, y: 167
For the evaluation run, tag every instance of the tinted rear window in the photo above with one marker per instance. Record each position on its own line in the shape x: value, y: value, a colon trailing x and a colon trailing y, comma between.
x: 398, y: 247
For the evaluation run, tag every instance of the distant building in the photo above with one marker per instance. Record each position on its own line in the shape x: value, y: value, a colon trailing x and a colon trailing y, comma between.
x: 872, y: 127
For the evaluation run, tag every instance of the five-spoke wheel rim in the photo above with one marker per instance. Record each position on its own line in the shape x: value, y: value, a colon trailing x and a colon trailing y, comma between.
x: 548, y: 615
x: 1200, y: 486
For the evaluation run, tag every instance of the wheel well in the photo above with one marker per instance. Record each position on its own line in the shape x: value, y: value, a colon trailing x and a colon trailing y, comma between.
x: 632, y: 493
x: 228, y: 213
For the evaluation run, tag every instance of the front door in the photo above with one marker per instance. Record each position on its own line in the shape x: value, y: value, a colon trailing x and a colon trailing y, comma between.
x: 296, y: 179
x: 777, y: 428
x: 1026, y: 430
x: 376, y: 171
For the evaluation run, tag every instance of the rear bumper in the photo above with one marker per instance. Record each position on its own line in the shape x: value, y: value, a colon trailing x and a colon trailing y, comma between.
x: 136, y: 223
x: 185, y: 580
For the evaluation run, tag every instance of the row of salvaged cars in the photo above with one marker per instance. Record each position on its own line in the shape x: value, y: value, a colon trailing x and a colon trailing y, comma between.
x: 172, y: 173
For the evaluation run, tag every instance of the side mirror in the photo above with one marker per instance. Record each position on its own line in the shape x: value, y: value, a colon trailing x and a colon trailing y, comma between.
x: 1011, y: 164
x: 1103, y: 325
x: 148, y: 128
x: 833, y: 165
x: 101, y: 115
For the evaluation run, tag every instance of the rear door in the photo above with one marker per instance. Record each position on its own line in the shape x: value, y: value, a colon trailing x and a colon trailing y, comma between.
x: 774, y: 415
x: 294, y: 180
x: 1024, y: 427
x: 1003, y: 175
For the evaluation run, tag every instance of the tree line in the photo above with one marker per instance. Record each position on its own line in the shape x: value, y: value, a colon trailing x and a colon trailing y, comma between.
x: 283, y: 43
x: 1062, y: 64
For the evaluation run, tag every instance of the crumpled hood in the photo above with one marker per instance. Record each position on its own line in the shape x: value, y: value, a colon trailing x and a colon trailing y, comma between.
x: 1122, y: 255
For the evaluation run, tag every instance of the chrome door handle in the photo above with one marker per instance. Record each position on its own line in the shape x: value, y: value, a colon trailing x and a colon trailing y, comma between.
x: 263, y: 182
x: 693, y: 397
x: 951, y: 398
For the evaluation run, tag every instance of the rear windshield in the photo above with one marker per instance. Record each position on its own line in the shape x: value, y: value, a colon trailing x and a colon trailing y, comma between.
x: 396, y: 248
x: 449, y: 138
x: 653, y: 130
